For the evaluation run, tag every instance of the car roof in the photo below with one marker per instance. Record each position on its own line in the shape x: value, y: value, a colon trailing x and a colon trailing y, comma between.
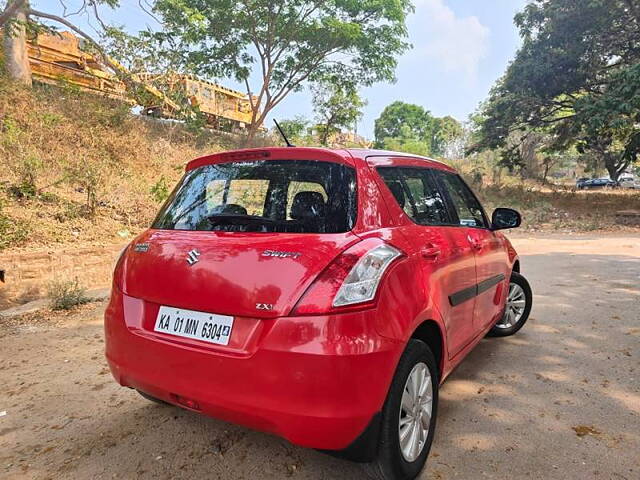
x: 347, y: 155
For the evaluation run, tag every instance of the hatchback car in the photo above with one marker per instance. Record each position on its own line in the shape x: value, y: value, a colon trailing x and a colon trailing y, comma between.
x: 321, y: 295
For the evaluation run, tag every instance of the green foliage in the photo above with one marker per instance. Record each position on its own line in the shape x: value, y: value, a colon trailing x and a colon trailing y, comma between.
x: 50, y: 119
x: 28, y: 169
x: 412, y: 129
x: 91, y: 172
x: 295, y: 129
x: 337, y: 105
x: 195, y: 121
x: 160, y: 190
x: 446, y: 131
x: 291, y: 42
x: 575, y: 78
x: 67, y: 294
x: 407, y: 142
x: 403, y: 120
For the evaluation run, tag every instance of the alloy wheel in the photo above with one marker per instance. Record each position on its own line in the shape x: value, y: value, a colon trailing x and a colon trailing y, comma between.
x: 415, y: 412
x: 516, y: 304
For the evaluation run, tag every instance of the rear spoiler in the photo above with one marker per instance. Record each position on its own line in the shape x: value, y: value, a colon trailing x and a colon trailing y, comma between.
x: 280, y: 153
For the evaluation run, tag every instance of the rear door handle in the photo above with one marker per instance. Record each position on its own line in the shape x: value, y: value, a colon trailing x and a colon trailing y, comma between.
x: 430, y: 252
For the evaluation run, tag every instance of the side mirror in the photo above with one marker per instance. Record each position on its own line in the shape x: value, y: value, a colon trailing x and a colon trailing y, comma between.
x: 504, y: 218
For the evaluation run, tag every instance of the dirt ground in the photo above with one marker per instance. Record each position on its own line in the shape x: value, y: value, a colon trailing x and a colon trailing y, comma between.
x: 559, y: 400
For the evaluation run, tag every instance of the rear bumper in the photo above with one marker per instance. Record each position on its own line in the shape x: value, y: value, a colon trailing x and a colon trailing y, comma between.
x: 316, y: 381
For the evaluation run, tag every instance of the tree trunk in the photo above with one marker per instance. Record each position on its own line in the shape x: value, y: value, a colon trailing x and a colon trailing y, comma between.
x: 15, y: 49
x: 611, y: 168
x: 615, y: 165
x: 252, y: 129
x: 324, y: 136
x: 545, y: 173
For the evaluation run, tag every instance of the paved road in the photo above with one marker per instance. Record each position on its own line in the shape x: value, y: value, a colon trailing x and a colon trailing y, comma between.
x: 559, y: 400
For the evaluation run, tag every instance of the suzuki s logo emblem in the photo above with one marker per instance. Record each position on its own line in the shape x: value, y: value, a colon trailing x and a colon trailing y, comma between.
x: 192, y: 257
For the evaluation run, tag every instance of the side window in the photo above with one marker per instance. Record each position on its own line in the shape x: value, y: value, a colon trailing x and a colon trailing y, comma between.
x: 416, y: 194
x: 464, y: 201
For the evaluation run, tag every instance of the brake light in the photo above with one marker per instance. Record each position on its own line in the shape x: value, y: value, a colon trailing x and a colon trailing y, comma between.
x: 245, y: 155
x: 350, y: 281
x: 237, y: 156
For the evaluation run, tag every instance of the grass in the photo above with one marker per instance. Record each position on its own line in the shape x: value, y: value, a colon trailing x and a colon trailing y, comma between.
x: 562, y: 209
x: 67, y: 294
x: 76, y: 167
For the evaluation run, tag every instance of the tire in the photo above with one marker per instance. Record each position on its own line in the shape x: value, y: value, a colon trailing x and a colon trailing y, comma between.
x: 508, y: 326
x: 152, y: 399
x: 391, y: 463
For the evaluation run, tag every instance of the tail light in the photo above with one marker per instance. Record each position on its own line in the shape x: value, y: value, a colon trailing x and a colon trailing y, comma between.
x: 351, y: 281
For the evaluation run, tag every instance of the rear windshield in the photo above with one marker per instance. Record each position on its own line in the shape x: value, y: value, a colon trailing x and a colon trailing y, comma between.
x: 299, y: 196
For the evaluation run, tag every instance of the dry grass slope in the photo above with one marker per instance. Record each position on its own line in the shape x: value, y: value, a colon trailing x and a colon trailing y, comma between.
x: 79, y: 168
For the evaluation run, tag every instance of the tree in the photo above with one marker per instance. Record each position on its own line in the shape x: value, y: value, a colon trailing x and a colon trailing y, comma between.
x: 289, y: 43
x: 294, y: 128
x: 407, y: 142
x: 10, y: 10
x: 337, y: 105
x: 576, y: 78
x: 447, y: 135
x: 404, y: 120
x: 16, y: 58
x: 412, y: 129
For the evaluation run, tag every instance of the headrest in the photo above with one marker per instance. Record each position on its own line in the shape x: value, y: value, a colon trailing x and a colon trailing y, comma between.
x: 230, y: 209
x: 307, y: 205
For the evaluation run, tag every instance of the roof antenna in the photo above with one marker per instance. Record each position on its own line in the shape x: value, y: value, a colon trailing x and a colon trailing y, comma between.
x: 289, y: 144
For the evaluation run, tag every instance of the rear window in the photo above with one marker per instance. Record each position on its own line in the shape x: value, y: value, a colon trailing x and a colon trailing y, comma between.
x: 299, y: 196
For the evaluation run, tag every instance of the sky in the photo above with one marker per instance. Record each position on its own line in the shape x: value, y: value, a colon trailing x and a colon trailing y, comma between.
x: 460, y: 48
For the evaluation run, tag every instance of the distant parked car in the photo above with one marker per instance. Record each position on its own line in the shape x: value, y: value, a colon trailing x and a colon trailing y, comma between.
x: 628, y: 181
x: 596, y: 183
x: 580, y: 182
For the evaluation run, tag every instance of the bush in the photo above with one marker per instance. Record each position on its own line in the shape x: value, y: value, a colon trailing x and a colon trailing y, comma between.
x: 90, y: 173
x: 67, y: 294
x: 12, y: 232
x: 160, y: 191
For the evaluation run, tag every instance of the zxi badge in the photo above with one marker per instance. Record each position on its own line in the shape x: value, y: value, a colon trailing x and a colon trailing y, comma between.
x: 192, y: 257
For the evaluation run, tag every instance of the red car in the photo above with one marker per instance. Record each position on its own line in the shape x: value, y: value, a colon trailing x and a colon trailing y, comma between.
x: 321, y: 295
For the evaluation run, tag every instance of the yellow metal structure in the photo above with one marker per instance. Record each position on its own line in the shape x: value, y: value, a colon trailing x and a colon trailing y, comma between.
x: 57, y: 58
x: 224, y: 108
x: 218, y: 101
x: 61, y: 58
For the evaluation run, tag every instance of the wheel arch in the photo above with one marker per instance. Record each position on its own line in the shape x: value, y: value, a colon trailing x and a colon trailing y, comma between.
x: 430, y: 332
x: 516, y: 266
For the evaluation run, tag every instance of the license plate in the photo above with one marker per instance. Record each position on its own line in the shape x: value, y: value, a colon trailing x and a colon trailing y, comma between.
x: 207, y: 327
